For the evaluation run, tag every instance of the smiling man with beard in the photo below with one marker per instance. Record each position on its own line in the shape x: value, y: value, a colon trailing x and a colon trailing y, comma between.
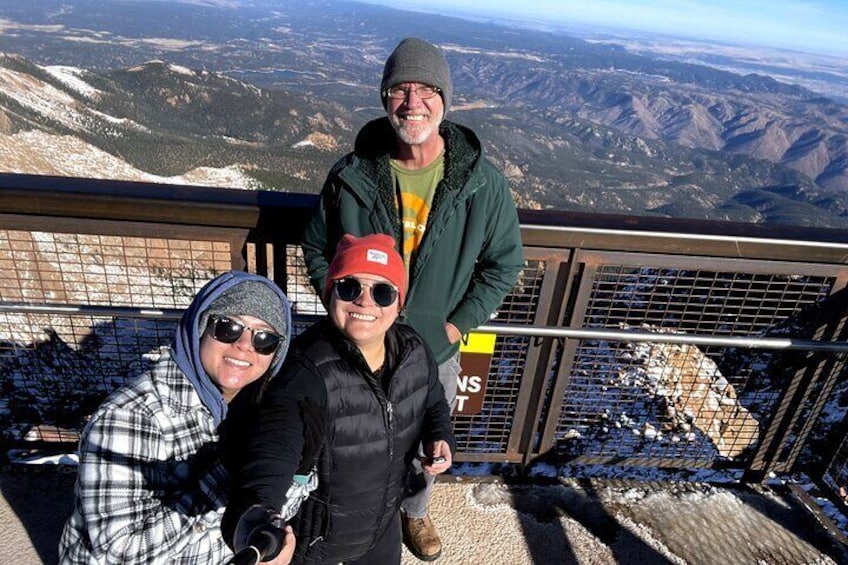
x: 424, y: 181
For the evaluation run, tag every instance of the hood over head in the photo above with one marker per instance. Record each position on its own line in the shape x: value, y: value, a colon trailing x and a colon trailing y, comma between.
x: 220, y: 295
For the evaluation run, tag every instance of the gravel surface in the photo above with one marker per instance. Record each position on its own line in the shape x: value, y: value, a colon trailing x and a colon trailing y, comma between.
x: 485, y: 523
x: 624, y: 522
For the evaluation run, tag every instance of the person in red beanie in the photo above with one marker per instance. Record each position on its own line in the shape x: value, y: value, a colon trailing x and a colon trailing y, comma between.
x: 425, y: 181
x: 374, y: 385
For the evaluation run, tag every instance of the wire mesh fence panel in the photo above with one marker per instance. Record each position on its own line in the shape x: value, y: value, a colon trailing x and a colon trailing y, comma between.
x: 489, y: 430
x: 56, y: 369
x: 836, y: 474
x: 68, y: 268
x: 700, y: 301
x: 305, y: 301
x: 822, y: 394
x: 677, y: 404
x: 658, y: 401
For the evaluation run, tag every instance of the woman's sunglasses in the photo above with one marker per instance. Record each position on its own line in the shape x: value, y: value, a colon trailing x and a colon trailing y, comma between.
x: 349, y: 290
x: 227, y: 330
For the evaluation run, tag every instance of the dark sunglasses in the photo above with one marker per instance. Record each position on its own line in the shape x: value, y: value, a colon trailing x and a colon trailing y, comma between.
x: 349, y: 290
x: 227, y: 330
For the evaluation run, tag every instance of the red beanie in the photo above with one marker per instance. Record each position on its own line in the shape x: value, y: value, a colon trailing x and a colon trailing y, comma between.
x: 371, y: 254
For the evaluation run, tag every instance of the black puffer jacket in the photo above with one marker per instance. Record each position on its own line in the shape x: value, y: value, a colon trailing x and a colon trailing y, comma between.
x: 373, y: 429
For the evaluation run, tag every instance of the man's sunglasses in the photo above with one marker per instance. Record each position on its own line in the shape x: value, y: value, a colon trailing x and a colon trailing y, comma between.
x: 349, y: 290
x: 227, y: 330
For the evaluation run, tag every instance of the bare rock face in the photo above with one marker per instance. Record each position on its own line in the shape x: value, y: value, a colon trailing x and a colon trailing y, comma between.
x: 323, y: 141
x: 696, y: 396
x: 5, y: 123
x: 705, y: 396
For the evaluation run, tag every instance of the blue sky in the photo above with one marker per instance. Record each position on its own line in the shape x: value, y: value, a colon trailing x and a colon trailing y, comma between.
x: 819, y: 26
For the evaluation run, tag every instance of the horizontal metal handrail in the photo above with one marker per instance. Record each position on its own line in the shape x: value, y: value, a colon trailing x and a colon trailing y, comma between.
x: 89, y: 310
x: 663, y: 337
x: 665, y: 235
x: 497, y: 329
x: 114, y: 311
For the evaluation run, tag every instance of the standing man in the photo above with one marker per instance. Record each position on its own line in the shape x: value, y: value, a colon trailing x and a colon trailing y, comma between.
x: 424, y: 181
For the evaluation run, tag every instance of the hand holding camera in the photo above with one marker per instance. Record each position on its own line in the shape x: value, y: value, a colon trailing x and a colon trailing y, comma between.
x: 439, y: 459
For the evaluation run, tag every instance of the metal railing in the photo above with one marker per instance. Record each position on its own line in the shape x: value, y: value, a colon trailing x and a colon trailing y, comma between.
x: 784, y: 344
x: 626, y: 341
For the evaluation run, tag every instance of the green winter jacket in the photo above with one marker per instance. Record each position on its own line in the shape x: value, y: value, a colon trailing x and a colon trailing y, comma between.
x: 471, y: 253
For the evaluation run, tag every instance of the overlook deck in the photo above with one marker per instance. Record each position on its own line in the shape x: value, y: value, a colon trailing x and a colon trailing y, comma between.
x: 634, y: 344
x: 588, y: 522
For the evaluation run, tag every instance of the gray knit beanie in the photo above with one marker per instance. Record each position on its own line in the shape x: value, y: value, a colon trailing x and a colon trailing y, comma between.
x: 416, y: 60
x: 250, y: 298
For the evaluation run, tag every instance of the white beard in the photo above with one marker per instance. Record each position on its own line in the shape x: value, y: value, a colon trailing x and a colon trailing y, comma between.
x: 414, y: 133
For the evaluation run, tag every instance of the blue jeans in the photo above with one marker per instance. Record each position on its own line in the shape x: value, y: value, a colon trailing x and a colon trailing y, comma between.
x: 419, y: 484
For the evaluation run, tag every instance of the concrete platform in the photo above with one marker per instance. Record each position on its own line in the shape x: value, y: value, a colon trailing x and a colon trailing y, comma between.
x: 483, y: 523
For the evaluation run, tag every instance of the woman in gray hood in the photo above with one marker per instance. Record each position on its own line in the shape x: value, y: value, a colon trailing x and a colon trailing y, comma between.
x: 152, y: 484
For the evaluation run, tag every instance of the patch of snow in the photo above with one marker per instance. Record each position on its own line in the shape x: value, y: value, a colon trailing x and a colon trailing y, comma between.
x: 489, y: 53
x: 35, y: 152
x: 25, y: 457
x: 179, y: 69
x: 39, y: 97
x: 124, y: 122
x: 70, y: 76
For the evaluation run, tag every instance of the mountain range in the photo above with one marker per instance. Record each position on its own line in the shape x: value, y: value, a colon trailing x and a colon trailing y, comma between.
x: 268, y: 94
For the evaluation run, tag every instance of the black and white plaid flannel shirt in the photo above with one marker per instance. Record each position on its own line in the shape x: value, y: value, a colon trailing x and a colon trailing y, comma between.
x: 151, y: 486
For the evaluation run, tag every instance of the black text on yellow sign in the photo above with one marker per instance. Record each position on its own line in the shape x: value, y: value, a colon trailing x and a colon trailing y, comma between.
x: 475, y: 357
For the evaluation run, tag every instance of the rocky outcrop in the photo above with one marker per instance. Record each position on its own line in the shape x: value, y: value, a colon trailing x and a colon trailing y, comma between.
x: 696, y: 396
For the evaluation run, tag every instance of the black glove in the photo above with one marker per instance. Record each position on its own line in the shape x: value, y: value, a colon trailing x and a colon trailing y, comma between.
x: 258, y: 537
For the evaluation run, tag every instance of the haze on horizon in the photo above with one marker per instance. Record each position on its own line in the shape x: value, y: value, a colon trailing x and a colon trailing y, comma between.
x: 814, y: 26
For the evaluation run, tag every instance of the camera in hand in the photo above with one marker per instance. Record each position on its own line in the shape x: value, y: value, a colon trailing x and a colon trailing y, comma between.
x: 259, y: 537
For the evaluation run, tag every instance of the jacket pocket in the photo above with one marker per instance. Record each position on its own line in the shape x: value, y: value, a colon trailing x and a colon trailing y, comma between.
x: 312, y: 526
x: 431, y: 327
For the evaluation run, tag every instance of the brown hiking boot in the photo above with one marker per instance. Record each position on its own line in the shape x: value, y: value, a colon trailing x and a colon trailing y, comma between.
x: 421, y: 538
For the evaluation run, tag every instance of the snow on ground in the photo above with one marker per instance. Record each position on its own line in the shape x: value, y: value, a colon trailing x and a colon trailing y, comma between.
x: 40, y: 97
x: 492, y: 53
x: 35, y: 152
x: 72, y: 78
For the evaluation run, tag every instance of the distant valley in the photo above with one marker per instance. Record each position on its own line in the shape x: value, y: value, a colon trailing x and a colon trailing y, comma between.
x: 269, y: 94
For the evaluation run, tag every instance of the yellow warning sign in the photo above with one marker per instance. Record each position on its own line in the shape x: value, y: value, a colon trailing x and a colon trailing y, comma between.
x: 478, y: 343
